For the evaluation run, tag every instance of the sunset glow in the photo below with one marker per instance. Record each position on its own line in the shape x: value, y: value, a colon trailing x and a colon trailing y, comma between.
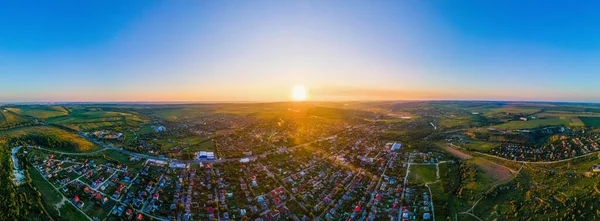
x: 361, y: 50
x: 299, y: 93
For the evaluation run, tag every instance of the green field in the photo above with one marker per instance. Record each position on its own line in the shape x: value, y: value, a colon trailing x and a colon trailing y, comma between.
x: 481, y: 146
x: 12, y: 118
x: 458, y: 121
x: 440, y: 197
x: 535, y: 123
x: 259, y: 110
x: 50, y: 195
x: 193, y: 143
x: 146, y: 129
x: 40, y: 111
x: 181, y: 113
x: 422, y: 173
x: 513, y: 110
x: 591, y: 121
x: 91, y: 119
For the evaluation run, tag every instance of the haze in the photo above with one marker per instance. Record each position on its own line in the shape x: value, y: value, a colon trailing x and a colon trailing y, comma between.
x: 259, y: 50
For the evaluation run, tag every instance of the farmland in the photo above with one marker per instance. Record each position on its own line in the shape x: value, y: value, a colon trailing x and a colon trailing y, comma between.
x: 40, y: 111
x: 91, y: 119
x: 12, y: 118
x: 530, y: 124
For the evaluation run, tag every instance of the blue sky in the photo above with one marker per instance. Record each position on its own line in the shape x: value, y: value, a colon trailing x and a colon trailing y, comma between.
x: 258, y: 50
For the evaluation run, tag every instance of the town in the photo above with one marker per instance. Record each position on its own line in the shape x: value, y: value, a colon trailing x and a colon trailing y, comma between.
x: 426, y: 161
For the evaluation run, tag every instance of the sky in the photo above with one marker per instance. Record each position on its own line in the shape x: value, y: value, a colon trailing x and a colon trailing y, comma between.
x: 161, y: 51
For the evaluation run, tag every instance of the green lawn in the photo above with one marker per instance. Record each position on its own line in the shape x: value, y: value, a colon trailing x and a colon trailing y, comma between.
x: 422, y: 173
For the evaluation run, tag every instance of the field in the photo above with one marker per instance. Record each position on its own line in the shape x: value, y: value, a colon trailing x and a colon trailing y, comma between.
x: 458, y: 121
x: 513, y: 110
x: 591, y: 121
x: 576, y: 122
x: 530, y: 124
x: 52, y: 137
x: 456, y: 152
x: 177, y: 113
x: 194, y: 143
x: 12, y: 118
x: 486, y: 175
x: 51, y: 196
x: 480, y: 146
x: 259, y: 110
x: 40, y: 111
x: 92, y: 119
x: 498, y: 172
x: 422, y: 173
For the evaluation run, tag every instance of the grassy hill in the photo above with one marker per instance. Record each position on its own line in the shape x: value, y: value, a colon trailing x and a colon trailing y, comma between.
x: 50, y: 137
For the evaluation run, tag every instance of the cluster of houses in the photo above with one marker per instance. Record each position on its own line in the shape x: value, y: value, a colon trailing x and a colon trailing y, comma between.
x: 566, y: 147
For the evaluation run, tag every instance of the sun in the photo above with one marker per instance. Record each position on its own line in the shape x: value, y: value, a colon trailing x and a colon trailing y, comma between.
x: 299, y: 93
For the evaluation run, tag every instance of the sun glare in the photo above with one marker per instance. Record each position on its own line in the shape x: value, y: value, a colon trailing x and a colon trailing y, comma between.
x: 299, y: 93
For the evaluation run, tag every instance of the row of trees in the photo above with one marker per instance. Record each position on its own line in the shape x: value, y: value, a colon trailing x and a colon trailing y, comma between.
x: 22, y: 202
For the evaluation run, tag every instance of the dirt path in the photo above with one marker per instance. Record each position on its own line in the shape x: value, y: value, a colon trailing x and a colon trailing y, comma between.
x: 496, y: 171
x: 60, y: 204
x: 457, y: 153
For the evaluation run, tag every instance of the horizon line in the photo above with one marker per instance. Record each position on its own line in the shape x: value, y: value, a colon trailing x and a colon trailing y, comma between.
x: 285, y: 101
